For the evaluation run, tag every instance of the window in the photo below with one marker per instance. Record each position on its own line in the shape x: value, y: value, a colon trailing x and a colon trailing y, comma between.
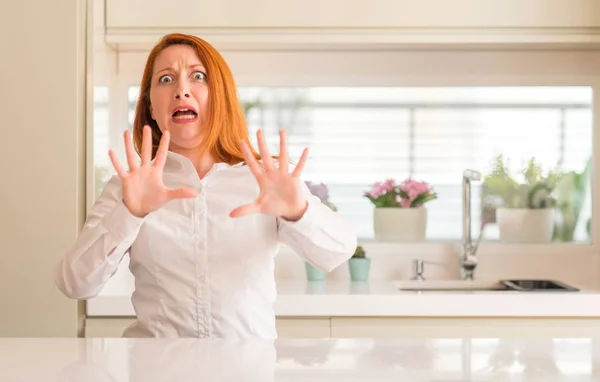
x: 361, y: 135
x: 101, y: 139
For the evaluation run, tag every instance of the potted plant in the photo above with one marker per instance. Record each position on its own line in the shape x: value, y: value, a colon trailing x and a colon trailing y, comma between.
x: 359, y: 265
x: 399, y: 214
x: 321, y: 191
x: 570, y: 195
x: 523, y: 208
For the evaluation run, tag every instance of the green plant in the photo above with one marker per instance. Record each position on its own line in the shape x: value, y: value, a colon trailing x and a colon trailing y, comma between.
x: 570, y: 195
x: 359, y: 253
x: 535, y: 190
x: 588, y: 228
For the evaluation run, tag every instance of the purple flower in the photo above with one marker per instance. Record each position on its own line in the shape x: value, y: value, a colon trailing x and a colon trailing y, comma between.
x: 321, y: 191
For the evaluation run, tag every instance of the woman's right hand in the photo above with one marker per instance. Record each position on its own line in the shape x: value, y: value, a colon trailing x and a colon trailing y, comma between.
x: 143, y: 187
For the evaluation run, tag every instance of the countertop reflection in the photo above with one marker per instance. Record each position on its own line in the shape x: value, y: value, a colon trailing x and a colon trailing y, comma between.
x: 154, y: 360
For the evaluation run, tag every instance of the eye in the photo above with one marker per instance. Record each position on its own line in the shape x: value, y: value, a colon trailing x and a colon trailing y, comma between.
x: 197, y: 75
x: 165, y: 79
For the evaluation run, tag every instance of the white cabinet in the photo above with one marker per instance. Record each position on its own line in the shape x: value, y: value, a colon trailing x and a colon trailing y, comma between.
x: 106, y: 327
x: 425, y: 327
x: 356, y: 21
x: 400, y: 327
x: 286, y: 327
x: 354, y: 14
x: 303, y: 328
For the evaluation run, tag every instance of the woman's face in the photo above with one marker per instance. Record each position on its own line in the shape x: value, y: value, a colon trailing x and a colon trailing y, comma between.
x: 179, y: 95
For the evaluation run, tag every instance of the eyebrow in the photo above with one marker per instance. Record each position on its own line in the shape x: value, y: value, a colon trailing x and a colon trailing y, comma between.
x: 191, y: 66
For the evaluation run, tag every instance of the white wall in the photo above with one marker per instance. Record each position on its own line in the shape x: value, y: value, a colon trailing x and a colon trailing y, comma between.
x: 41, y: 161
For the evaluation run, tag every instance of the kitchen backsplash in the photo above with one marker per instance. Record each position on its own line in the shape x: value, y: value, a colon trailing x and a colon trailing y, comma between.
x: 582, y: 269
x: 577, y: 268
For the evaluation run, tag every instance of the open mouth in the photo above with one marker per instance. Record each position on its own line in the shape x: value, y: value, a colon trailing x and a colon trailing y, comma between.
x: 184, y: 115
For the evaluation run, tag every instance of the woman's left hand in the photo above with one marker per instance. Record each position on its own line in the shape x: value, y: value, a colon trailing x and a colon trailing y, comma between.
x: 280, y: 191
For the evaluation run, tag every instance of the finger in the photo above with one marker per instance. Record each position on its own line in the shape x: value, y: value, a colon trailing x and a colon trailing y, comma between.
x: 301, y: 163
x: 181, y: 193
x: 146, y: 145
x: 120, y: 170
x: 244, y: 210
x: 163, y: 147
x: 250, y: 160
x: 283, y: 154
x: 264, y: 151
x: 131, y: 159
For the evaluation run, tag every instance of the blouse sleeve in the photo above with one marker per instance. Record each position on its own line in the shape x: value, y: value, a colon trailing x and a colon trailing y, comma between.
x: 107, y: 235
x: 321, y: 236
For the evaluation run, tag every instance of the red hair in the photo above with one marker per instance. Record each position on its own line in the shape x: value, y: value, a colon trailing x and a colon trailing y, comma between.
x: 225, y: 123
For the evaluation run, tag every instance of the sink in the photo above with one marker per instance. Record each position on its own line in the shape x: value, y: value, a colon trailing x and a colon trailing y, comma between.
x: 449, y: 285
x: 528, y: 285
x: 538, y: 285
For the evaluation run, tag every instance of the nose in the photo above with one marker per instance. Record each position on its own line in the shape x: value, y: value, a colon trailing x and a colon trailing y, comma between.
x: 182, y: 90
x: 181, y: 94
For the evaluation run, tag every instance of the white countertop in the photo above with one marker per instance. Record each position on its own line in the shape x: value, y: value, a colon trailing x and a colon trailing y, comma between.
x: 382, y: 299
x: 348, y: 360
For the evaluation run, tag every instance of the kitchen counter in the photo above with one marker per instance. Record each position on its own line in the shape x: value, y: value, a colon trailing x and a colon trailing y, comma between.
x: 382, y: 299
x: 181, y: 360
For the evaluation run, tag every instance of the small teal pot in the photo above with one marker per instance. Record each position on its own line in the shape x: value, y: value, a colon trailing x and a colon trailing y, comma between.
x: 359, y: 269
x: 314, y: 274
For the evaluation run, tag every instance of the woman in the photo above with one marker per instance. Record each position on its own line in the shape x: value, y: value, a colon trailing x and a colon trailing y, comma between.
x: 200, y: 218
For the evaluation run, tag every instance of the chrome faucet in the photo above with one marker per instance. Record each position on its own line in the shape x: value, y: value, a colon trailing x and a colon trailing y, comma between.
x: 468, y: 258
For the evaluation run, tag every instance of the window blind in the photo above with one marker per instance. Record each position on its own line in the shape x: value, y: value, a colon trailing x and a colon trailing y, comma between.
x: 361, y: 135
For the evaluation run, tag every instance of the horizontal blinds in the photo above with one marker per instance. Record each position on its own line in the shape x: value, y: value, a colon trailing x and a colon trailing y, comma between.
x: 358, y: 136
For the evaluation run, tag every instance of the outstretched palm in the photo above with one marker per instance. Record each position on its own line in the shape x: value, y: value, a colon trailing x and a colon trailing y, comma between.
x: 280, y: 191
x: 143, y: 187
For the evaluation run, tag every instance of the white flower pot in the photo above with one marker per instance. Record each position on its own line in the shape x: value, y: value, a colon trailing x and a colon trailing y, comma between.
x: 400, y: 224
x: 524, y: 225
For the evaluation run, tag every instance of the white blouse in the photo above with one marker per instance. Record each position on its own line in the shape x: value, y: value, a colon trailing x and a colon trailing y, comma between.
x: 198, y: 272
